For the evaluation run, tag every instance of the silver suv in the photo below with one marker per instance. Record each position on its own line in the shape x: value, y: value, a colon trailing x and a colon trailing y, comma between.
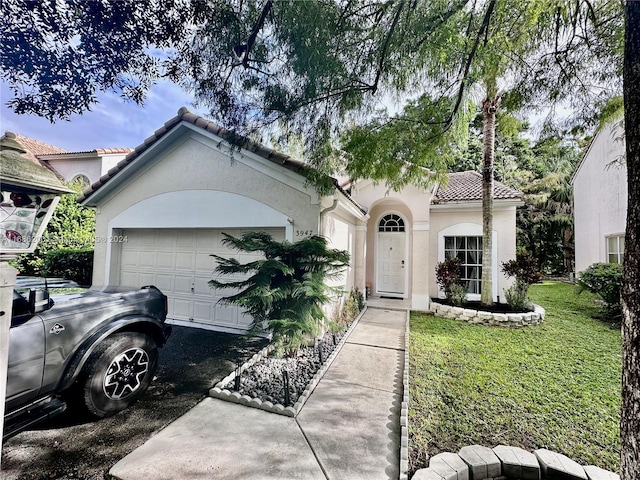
x: 96, y: 351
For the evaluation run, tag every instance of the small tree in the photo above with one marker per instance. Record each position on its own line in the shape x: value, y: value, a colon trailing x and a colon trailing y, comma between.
x: 284, y: 292
x: 449, y: 277
x: 526, y: 273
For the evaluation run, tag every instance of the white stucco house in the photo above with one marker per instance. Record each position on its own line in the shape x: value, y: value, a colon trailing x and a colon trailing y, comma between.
x: 87, y: 166
x: 600, y: 199
x: 162, y: 209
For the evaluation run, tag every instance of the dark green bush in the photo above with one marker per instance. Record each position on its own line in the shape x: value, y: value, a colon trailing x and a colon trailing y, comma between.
x: 605, y: 280
x: 76, y: 265
x: 449, y: 273
x: 285, y: 290
x: 523, y: 268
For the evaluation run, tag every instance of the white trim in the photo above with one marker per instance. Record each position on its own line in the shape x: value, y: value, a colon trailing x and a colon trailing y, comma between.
x: 469, y: 230
x: 361, y: 228
x: 166, y: 210
x: 407, y: 260
x: 421, y: 227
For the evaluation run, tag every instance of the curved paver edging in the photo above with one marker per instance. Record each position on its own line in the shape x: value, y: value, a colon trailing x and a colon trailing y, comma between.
x: 404, y: 409
x: 488, y: 318
x: 479, y: 463
x: 220, y: 391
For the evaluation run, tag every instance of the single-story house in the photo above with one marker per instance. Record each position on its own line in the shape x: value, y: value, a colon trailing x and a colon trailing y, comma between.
x: 600, y: 199
x: 161, y: 212
x: 87, y: 166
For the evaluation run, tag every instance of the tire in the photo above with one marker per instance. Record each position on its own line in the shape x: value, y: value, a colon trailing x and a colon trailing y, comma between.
x: 117, y: 373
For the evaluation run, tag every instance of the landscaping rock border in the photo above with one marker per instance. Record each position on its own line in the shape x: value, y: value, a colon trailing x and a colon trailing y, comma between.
x: 221, y: 391
x: 404, y: 409
x: 481, y: 317
x: 479, y: 463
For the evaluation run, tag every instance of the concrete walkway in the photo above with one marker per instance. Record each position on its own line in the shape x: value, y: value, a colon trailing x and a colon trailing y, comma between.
x: 348, y: 429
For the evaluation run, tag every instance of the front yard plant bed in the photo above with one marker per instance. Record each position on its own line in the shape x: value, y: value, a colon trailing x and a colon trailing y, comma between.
x: 262, y: 378
x: 476, y: 305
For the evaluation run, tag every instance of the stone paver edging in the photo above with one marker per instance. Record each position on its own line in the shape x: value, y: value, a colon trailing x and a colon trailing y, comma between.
x: 488, y: 318
x: 221, y: 391
x: 479, y: 463
x: 404, y: 409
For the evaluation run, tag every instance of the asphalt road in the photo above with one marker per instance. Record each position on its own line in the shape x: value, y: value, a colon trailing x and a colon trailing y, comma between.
x: 71, y: 447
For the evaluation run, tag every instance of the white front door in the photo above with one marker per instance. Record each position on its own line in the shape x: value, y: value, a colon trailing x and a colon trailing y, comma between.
x: 391, y: 263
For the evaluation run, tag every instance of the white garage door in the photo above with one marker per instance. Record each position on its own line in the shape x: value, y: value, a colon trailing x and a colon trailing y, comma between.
x: 179, y: 262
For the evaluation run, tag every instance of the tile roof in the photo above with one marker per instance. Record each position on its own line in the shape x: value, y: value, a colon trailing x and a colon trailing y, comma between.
x: 99, y: 151
x: 185, y: 115
x: 467, y: 186
x: 36, y: 147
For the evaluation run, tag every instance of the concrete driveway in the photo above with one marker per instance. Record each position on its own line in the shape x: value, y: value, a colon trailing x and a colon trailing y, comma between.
x: 72, y: 447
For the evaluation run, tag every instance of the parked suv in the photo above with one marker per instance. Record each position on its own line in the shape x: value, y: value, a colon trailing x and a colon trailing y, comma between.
x: 96, y: 351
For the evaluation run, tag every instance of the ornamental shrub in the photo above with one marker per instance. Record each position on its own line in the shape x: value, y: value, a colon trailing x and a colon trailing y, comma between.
x: 605, y: 280
x: 458, y: 294
x: 523, y: 268
x: 449, y: 273
x: 283, y: 291
x: 526, y: 273
x: 516, y: 296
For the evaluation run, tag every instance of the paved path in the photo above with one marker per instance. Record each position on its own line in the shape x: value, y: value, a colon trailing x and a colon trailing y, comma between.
x: 348, y: 429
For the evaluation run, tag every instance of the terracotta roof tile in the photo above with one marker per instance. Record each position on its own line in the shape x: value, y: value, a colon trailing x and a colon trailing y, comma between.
x: 467, y: 186
x: 36, y: 147
x: 185, y: 115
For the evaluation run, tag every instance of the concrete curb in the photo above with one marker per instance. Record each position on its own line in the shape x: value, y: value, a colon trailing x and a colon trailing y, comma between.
x: 480, y: 463
x: 404, y: 411
x: 221, y: 391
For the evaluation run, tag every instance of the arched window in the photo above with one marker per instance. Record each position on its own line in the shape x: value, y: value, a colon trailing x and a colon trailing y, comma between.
x: 83, y: 180
x: 391, y: 223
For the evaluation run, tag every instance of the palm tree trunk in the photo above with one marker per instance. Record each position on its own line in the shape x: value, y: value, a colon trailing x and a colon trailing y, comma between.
x: 489, y: 108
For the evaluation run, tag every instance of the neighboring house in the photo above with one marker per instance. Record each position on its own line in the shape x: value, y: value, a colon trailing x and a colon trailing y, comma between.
x: 161, y: 212
x: 87, y: 166
x: 600, y: 199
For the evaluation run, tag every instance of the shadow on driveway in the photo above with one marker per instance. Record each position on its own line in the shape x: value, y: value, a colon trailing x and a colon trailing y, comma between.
x: 73, y: 447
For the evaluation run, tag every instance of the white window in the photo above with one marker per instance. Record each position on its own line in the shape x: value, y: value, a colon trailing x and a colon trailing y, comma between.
x: 469, y: 251
x: 391, y: 223
x: 615, y: 248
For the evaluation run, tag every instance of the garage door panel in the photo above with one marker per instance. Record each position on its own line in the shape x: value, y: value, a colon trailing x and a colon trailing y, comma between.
x: 146, y: 278
x: 179, y: 262
x: 129, y: 279
x: 164, y: 282
x: 205, y: 262
x: 148, y: 259
x: 166, y: 260
x: 184, y: 261
x: 228, y: 315
x: 202, y: 287
x: 129, y: 258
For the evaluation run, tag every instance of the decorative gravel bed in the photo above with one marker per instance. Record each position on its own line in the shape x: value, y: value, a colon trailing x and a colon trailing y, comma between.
x: 262, y: 378
x: 265, y: 379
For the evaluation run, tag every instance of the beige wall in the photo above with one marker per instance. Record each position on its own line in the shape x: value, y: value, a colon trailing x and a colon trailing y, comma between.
x: 194, y: 168
x: 504, y: 240
x: 93, y: 166
x: 599, y: 197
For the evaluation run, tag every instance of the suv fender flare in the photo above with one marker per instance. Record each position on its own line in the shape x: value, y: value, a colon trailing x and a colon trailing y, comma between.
x: 151, y: 326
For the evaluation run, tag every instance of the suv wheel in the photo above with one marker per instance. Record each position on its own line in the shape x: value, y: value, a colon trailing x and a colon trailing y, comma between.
x: 118, y: 372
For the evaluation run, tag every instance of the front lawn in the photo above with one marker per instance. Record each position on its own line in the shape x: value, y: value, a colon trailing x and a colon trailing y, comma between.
x: 555, y: 386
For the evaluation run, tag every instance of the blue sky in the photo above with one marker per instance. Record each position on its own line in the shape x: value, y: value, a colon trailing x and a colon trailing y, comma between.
x: 112, y: 123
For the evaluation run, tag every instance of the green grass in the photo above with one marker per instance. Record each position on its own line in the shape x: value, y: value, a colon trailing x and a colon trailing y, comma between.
x: 555, y: 386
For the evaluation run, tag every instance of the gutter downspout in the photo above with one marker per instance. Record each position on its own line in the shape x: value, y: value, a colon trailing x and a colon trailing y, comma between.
x: 324, y: 212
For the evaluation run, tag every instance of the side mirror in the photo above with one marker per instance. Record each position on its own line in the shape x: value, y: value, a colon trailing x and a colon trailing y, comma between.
x: 39, y: 301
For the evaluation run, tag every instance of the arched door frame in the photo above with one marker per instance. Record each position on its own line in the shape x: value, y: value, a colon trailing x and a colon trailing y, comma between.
x: 377, y: 259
